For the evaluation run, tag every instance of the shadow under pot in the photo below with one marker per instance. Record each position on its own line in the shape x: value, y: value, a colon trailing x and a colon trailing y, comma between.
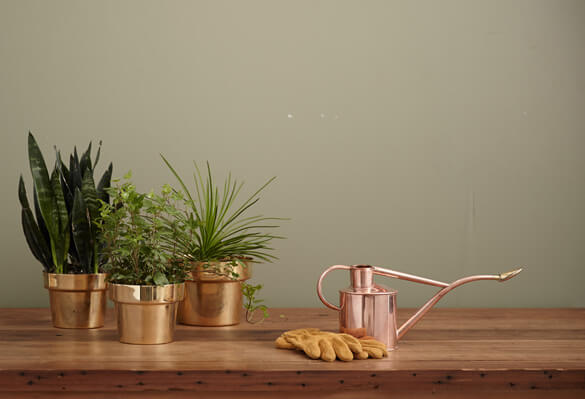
x: 213, y: 298
x: 146, y: 314
x: 77, y: 300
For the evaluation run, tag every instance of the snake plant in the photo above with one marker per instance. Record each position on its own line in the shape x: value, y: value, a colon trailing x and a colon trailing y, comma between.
x: 61, y: 229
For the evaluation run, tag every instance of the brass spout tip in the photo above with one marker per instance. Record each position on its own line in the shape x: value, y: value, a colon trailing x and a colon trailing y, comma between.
x: 509, y: 275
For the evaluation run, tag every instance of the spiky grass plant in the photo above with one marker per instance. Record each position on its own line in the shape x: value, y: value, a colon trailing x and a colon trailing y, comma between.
x: 219, y: 229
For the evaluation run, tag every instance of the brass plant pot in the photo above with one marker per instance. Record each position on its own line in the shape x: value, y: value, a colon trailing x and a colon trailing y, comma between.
x: 146, y: 314
x: 213, y: 300
x: 77, y: 300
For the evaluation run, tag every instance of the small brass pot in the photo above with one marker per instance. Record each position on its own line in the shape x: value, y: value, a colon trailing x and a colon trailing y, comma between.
x: 146, y: 314
x: 77, y: 300
x: 212, y: 299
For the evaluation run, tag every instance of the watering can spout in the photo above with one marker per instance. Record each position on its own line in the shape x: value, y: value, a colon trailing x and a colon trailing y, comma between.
x: 509, y: 275
x: 446, y: 288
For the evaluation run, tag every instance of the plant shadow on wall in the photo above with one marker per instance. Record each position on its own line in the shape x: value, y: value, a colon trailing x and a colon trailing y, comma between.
x: 220, y: 243
x: 62, y: 234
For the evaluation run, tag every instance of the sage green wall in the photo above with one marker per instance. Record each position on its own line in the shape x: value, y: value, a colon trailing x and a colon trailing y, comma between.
x: 442, y: 138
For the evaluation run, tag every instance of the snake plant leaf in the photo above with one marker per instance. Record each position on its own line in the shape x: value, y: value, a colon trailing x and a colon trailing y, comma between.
x: 34, y: 238
x: 74, y: 171
x: 85, y: 161
x: 80, y: 226
x: 91, y: 199
x: 43, y: 187
x: 39, y: 218
x: 104, y: 183
x: 35, y: 241
x: 64, y: 179
x: 97, y: 155
x: 61, y: 241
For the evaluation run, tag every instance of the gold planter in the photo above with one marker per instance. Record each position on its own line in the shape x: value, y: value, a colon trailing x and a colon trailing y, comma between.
x: 146, y: 314
x: 212, y: 300
x: 77, y: 300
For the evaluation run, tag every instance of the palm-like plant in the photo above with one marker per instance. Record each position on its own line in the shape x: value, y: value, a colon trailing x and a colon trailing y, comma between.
x: 216, y: 229
x: 62, y: 234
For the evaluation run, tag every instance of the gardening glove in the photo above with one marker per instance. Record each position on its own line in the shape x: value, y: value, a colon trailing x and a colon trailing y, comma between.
x: 282, y: 343
x: 321, y: 344
x: 372, y: 348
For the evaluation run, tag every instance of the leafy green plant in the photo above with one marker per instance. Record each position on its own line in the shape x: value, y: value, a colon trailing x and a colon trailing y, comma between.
x: 217, y: 229
x: 252, y: 303
x: 140, y: 232
x: 61, y: 233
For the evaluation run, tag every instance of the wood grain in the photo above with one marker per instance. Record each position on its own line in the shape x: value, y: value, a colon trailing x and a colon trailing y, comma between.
x: 455, y: 351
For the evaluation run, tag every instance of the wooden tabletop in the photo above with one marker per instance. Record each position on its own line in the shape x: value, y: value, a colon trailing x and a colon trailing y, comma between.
x: 513, y: 352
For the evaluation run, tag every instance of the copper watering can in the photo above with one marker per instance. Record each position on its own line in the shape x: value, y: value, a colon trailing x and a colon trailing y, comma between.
x: 369, y: 309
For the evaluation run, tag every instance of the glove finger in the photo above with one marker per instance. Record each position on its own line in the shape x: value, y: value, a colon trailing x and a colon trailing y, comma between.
x: 352, y: 342
x: 341, y: 349
x: 373, y: 343
x: 362, y: 355
x: 312, y: 349
x: 374, y: 352
x: 327, y: 352
x: 282, y: 343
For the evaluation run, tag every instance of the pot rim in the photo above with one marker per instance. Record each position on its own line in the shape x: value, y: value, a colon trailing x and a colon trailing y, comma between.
x: 75, y: 282
x: 146, y: 294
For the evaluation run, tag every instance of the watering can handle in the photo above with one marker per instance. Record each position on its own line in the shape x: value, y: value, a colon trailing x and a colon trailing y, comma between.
x: 319, y: 289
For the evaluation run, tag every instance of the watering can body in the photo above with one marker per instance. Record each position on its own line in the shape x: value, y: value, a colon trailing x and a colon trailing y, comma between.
x: 369, y: 309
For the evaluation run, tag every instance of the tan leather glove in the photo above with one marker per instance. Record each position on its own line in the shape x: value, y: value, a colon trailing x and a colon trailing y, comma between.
x: 324, y: 345
x: 373, y: 348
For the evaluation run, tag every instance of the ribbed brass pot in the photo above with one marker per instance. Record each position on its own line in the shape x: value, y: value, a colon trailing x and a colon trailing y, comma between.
x: 212, y: 299
x: 77, y: 300
x: 146, y: 314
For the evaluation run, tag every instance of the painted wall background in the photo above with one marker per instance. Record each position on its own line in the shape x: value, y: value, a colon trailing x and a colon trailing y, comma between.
x: 438, y: 138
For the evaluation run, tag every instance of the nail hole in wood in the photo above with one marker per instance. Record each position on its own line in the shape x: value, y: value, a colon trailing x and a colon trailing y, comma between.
x: 341, y: 381
x: 140, y: 383
x: 179, y: 373
x: 512, y: 384
x: 372, y: 375
x: 30, y: 382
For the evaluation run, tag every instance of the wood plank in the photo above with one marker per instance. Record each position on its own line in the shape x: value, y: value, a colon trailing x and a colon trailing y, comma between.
x: 455, y: 351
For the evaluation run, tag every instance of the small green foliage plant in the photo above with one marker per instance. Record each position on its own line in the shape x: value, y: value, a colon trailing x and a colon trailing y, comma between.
x: 252, y: 303
x: 217, y: 229
x: 141, y: 232
x: 60, y: 229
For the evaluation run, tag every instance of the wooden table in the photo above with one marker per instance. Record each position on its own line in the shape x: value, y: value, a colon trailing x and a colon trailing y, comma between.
x: 451, y: 353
